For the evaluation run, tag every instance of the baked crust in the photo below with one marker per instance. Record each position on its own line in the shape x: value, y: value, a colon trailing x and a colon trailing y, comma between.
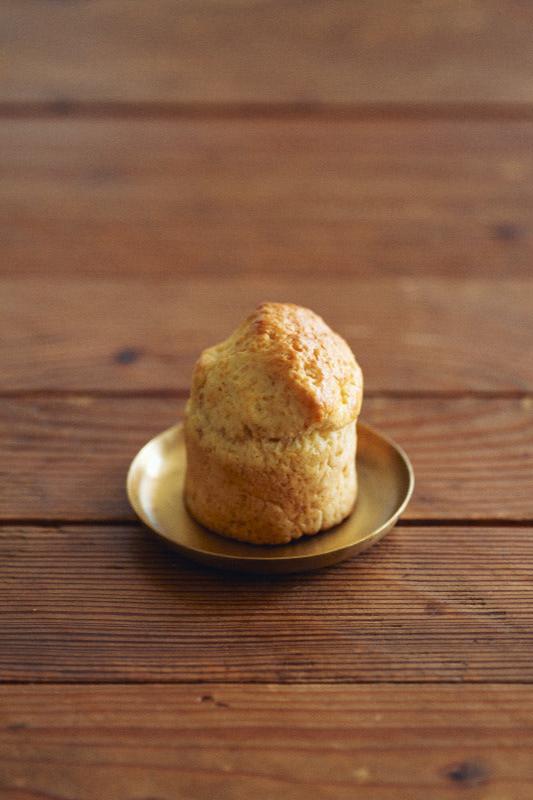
x: 270, y: 428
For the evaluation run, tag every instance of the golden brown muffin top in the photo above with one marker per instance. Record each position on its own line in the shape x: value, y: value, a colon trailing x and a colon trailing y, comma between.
x: 282, y: 372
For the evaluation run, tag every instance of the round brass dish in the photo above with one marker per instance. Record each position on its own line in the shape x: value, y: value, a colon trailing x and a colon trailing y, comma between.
x: 155, y: 486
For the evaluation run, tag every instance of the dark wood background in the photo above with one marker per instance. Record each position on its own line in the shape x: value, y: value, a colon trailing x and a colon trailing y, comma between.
x: 163, y: 167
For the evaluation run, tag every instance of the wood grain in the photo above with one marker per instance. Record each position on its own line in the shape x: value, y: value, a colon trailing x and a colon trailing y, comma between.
x: 364, y: 198
x: 183, y: 742
x: 307, y: 53
x: 164, y: 168
x: 66, y: 458
x: 99, y: 603
x: 423, y: 334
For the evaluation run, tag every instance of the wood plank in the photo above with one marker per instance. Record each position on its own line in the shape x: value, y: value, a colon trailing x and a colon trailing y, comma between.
x: 429, y: 604
x: 320, y: 51
x: 66, y: 458
x: 182, y: 742
x: 473, y: 458
x: 249, y: 195
x: 409, y: 334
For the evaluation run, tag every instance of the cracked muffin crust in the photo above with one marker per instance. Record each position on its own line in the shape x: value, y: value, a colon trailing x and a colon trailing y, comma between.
x: 270, y: 428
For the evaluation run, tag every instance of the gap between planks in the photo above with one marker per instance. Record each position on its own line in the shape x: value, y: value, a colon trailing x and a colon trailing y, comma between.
x: 275, y: 111
x: 285, y: 684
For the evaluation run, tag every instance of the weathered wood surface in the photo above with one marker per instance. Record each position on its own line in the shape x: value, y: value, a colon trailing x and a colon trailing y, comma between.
x: 276, y: 52
x: 365, y: 197
x: 183, y: 742
x: 125, y: 335
x: 110, y: 603
x: 164, y: 167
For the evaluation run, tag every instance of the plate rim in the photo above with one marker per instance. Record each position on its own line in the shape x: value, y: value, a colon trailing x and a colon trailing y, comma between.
x: 375, y: 534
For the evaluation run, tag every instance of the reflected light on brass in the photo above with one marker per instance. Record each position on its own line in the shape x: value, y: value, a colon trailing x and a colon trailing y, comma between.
x: 155, y: 490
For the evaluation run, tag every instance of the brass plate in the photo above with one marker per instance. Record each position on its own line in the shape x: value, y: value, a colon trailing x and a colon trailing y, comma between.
x: 155, y: 487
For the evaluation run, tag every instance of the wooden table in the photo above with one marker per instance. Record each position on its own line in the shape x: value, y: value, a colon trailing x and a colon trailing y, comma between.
x: 164, y: 167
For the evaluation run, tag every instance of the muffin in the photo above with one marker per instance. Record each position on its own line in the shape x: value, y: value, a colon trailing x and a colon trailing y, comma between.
x: 270, y: 428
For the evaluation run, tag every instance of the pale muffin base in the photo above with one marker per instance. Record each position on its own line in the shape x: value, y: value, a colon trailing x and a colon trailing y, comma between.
x: 270, y: 492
